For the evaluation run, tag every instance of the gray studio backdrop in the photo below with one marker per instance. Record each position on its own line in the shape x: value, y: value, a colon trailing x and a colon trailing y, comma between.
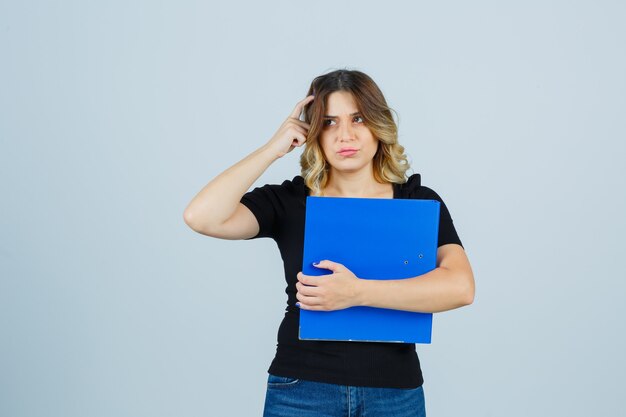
x: 113, y: 115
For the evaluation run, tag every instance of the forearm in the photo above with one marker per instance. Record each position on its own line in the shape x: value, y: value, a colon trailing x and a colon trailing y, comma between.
x: 217, y: 201
x: 439, y: 290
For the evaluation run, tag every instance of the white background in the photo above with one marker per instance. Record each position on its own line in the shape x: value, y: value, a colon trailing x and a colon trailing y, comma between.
x: 113, y: 115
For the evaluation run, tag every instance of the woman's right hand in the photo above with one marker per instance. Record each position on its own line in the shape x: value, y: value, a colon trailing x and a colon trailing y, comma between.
x: 293, y: 132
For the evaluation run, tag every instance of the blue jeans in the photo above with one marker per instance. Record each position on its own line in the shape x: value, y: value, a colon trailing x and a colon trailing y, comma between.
x: 291, y: 397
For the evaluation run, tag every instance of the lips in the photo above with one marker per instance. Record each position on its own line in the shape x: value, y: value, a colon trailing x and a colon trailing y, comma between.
x: 347, y: 151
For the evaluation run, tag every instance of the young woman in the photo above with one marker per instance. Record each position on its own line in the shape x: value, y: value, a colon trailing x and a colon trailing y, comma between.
x: 351, y: 150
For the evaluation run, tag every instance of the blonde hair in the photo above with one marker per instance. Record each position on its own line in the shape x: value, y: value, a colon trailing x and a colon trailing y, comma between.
x: 390, y: 161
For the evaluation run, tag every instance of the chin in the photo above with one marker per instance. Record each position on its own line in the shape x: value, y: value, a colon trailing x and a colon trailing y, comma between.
x: 349, y: 167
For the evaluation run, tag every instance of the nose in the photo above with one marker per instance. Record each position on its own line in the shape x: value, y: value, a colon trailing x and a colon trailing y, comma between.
x: 346, y: 133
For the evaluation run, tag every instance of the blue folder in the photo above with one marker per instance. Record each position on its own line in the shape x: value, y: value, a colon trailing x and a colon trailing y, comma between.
x: 376, y: 239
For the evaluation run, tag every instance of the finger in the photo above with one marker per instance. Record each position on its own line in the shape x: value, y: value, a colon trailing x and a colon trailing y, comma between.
x: 310, y: 280
x: 307, y: 299
x: 299, y: 129
x: 298, y: 109
x: 300, y: 123
x: 300, y: 105
x: 304, y: 124
x: 298, y: 139
x: 307, y: 290
x: 309, y: 307
x: 326, y: 264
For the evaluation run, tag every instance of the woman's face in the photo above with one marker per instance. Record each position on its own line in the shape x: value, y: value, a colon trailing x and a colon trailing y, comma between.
x: 349, y: 146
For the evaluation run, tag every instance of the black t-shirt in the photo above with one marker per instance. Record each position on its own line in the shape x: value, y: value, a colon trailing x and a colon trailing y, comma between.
x: 280, y: 211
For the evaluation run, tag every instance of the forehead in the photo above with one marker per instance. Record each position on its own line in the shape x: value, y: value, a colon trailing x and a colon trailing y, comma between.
x: 340, y: 102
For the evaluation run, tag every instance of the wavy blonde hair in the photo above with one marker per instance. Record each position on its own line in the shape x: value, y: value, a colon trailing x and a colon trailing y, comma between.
x: 390, y: 161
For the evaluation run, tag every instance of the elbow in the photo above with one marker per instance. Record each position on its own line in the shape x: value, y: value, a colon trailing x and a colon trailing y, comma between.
x: 467, y: 291
x: 468, y: 298
x: 190, y: 221
x: 188, y: 218
x: 195, y: 224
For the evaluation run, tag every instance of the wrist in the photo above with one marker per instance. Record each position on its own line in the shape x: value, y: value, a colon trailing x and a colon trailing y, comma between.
x: 268, y: 153
x: 362, y: 292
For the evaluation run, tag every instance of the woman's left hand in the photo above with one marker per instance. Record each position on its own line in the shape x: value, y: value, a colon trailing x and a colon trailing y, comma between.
x: 335, y: 291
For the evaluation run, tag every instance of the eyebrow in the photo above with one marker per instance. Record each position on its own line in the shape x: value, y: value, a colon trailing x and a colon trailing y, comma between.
x: 334, y: 117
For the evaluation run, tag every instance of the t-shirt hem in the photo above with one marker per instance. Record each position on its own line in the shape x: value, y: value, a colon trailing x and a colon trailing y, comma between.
x: 352, y: 380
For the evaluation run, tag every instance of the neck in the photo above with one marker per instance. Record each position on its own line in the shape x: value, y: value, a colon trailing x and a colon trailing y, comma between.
x: 351, y: 184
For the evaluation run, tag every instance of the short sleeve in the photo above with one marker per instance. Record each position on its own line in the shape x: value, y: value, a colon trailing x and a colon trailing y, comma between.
x: 262, y: 203
x: 447, y: 231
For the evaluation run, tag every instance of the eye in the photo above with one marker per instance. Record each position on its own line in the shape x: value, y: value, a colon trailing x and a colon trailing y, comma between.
x: 327, y: 122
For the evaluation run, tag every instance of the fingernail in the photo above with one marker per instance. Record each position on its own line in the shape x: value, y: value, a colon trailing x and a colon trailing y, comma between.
x: 297, y: 304
x: 316, y: 263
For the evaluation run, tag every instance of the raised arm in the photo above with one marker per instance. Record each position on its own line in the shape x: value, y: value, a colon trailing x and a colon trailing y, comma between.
x: 216, y: 210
